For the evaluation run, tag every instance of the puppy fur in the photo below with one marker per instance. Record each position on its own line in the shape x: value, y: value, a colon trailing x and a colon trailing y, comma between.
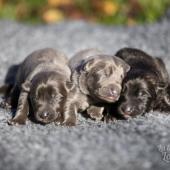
x: 144, y: 86
x: 41, y: 85
x: 98, y: 78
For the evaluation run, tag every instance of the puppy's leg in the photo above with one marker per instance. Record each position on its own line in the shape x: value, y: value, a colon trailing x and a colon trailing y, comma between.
x: 95, y: 112
x: 70, y: 115
x: 22, y: 108
x: 5, y: 90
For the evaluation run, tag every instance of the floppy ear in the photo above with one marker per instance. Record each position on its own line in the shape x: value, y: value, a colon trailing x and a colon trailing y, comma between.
x: 162, y: 68
x: 89, y: 64
x: 126, y: 67
x: 122, y: 63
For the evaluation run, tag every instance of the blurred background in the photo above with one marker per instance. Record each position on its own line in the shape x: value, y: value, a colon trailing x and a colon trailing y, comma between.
x: 126, y: 12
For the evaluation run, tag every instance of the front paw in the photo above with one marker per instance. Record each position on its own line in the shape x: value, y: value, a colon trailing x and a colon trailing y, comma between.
x: 95, y: 113
x: 109, y: 119
x: 69, y: 122
x: 16, y: 121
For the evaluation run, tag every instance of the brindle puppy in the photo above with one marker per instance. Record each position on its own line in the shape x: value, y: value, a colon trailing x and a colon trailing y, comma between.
x: 98, y: 78
x: 41, y: 84
x: 144, y: 85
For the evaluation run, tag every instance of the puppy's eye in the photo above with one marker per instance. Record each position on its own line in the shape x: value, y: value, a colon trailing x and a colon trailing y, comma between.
x: 122, y: 76
x: 142, y: 93
x: 57, y: 96
x: 53, y: 96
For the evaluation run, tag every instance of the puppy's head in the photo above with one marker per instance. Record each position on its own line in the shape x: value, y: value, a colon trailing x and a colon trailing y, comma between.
x: 136, y: 98
x: 104, y: 75
x: 163, y: 99
x: 47, y: 96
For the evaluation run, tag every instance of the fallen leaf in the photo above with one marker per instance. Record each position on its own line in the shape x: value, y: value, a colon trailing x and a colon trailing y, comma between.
x: 110, y: 7
x: 52, y: 16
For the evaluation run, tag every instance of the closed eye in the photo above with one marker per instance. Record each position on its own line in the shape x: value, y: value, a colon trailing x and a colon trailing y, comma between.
x: 143, y: 93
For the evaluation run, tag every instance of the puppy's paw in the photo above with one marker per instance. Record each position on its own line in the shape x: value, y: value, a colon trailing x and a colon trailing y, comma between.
x: 109, y: 119
x: 16, y: 121
x: 5, y: 105
x: 95, y: 112
x: 69, y: 122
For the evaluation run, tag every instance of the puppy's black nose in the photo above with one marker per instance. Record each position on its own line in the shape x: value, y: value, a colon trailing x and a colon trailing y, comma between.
x: 127, y: 110
x: 114, y: 91
x: 44, y: 115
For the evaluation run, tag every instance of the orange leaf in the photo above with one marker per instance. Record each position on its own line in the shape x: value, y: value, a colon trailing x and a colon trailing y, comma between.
x: 110, y: 8
x: 52, y: 16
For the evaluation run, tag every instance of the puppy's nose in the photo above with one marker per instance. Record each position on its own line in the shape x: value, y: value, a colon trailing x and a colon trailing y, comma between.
x: 44, y: 115
x: 114, y: 91
x: 127, y: 110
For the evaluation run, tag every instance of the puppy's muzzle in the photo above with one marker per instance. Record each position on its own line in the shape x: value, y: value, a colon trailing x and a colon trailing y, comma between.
x: 46, y: 116
x: 110, y: 93
x: 128, y: 111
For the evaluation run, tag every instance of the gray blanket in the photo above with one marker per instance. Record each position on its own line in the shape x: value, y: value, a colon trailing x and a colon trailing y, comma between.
x: 140, y: 143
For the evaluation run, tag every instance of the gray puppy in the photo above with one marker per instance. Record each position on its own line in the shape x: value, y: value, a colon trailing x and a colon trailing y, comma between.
x: 98, y: 78
x: 41, y: 85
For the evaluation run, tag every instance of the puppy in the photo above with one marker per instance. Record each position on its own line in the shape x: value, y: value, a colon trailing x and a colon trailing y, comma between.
x: 41, y: 85
x: 143, y: 85
x: 98, y: 78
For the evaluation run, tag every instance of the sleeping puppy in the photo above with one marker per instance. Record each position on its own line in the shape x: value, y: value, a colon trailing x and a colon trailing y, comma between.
x: 42, y: 84
x: 98, y: 78
x: 146, y: 80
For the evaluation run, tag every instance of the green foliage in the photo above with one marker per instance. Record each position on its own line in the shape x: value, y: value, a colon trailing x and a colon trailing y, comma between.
x: 153, y: 9
x: 119, y: 12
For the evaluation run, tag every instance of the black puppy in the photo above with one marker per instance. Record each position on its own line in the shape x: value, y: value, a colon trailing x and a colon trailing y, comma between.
x: 144, y: 85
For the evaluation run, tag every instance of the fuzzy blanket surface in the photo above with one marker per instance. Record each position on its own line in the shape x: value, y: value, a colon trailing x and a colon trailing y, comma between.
x: 137, y: 144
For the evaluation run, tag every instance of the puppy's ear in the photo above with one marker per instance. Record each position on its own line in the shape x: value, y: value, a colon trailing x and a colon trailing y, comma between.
x: 126, y: 67
x: 122, y: 63
x: 162, y: 68
x: 90, y: 64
